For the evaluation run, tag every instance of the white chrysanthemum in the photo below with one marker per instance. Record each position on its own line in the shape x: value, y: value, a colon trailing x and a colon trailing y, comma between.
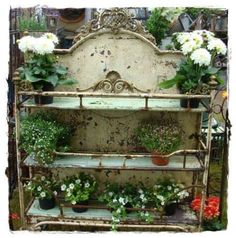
x: 207, y: 35
x: 142, y: 196
x: 188, y: 47
x: 55, y: 193
x: 183, y: 37
x: 218, y: 45
x: 197, y: 39
x: 73, y: 202
x: 43, y: 46
x: 161, y: 198
x: 201, y: 56
x: 51, y: 37
x: 77, y: 181
x: 140, y: 190
x: 122, y: 201
x: 110, y: 194
x: 27, y: 43
x: 63, y: 187
x: 169, y: 187
x: 42, y: 194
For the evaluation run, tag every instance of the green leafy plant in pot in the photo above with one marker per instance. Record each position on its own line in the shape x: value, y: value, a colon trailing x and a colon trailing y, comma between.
x: 160, y: 139
x: 78, y: 190
x: 44, y: 189
x: 196, y: 72
x: 41, y: 68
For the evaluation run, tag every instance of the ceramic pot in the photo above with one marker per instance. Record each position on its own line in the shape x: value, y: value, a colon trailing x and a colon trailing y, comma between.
x: 47, y: 203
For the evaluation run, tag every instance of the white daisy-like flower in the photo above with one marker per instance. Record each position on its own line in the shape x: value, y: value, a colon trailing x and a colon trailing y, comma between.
x: 77, y: 181
x: 201, y: 56
x: 197, y: 39
x: 160, y: 197
x: 63, y: 187
x: 114, y: 200
x: 183, y: 37
x: 142, y: 196
x: 110, y: 194
x: 162, y: 203
x: 55, y: 193
x: 39, y: 188
x: 42, y: 194
x: 118, y: 210
x: 73, y: 202
x: 87, y: 185
x: 140, y: 191
x: 217, y: 45
x: 71, y: 186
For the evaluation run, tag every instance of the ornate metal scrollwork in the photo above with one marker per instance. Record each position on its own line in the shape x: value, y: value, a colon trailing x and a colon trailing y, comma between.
x: 112, y: 84
x: 114, y: 19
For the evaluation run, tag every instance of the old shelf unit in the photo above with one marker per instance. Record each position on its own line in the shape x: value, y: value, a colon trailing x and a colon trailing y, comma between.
x: 184, y: 160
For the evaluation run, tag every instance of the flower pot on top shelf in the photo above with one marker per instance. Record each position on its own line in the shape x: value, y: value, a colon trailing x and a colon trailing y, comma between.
x: 40, y: 67
x: 195, y: 72
x: 160, y: 139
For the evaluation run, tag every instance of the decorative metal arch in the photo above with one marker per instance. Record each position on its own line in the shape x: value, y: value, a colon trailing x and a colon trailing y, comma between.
x: 114, y: 19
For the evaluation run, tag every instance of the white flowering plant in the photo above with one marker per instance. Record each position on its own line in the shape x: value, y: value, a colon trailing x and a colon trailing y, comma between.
x: 200, y: 48
x: 78, y: 188
x: 42, y: 187
x: 167, y: 191
x: 117, y: 198
x: 41, y: 66
x: 41, y: 135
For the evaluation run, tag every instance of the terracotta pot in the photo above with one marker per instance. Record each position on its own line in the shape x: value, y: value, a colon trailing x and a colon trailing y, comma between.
x: 159, y: 159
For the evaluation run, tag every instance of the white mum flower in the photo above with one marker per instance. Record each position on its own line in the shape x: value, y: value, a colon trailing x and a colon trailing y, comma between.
x: 169, y: 187
x: 63, y: 187
x: 162, y: 203
x: 140, y: 190
x: 161, y: 198
x: 197, y: 39
x: 43, y: 46
x: 42, y: 194
x: 218, y: 45
x: 188, y: 47
x: 71, y: 186
x: 51, y: 37
x: 55, y: 193
x: 118, y: 210
x: 39, y: 188
x: 201, y: 56
x: 27, y: 43
x: 142, y: 196
x: 114, y: 200
x: 73, y: 202
x: 110, y: 194
x: 183, y: 37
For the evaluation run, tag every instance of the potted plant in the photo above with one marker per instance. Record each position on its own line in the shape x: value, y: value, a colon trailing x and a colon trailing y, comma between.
x: 78, y: 190
x: 41, y: 68
x: 44, y: 189
x: 41, y: 135
x: 196, y: 72
x: 211, y: 212
x: 117, y: 198
x: 160, y: 139
x: 166, y: 194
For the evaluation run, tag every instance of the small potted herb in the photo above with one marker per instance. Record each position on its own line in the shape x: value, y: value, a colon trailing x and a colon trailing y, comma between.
x: 41, y: 135
x: 78, y: 190
x: 160, y: 139
x: 41, y: 68
x: 166, y: 195
x: 44, y: 189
